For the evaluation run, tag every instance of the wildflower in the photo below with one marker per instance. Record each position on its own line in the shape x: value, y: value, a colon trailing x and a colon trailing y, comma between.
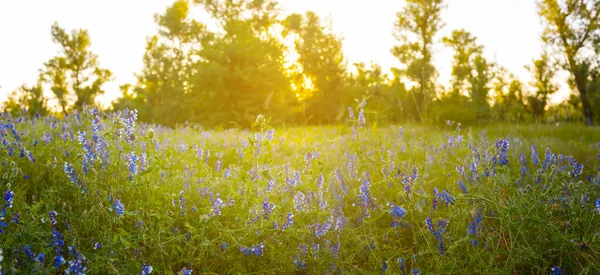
x: 146, y: 269
x: 270, y: 134
x: 361, y: 118
x: 598, y: 204
x: 462, y: 186
x: 254, y: 250
x: 441, y: 224
x: 227, y: 173
x: 350, y: 113
x: 97, y: 245
x: 59, y: 260
x: 143, y: 161
x: 224, y: 245
x: 76, y: 266
x: 130, y: 126
x: 502, y: 146
x: 397, y: 211
x: 556, y: 270
x: 186, y: 271
x: 132, y: 160
x: 577, y: 168
x: 118, y: 207
x: 270, y: 185
x: 384, y: 266
x: 299, y: 201
x: 70, y: 172
x: 217, y: 206
x: 534, y: 155
x: 267, y: 208
x: 401, y: 264
x: 52, y: 215
x: 218, y: 166
x: 9, y: 198
x: 415, y: 174
x: 365, y: 194
x: 30, y: 157
x: 447, y: 198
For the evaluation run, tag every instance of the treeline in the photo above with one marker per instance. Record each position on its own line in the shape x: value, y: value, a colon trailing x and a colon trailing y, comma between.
x: 226, y: 75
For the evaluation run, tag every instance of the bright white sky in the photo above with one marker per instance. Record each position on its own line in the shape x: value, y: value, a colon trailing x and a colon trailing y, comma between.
x: 509, y: 30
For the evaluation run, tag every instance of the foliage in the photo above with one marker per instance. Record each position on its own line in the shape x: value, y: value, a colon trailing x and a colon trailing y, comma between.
x: 415, y: 29
x: 571, y: 28
x: 101, y: 193
x: 75, y: 75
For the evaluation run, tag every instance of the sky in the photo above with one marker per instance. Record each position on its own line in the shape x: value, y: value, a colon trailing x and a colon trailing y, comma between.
x: 508, y: 29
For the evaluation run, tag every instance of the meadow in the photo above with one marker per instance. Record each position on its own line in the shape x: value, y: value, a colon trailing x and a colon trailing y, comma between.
x: 99, y: 193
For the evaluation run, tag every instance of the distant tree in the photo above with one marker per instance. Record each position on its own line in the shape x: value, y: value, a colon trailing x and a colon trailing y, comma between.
x: 30, y: 98
x: 75, y: 74
x: 572, y: 28
x: 543, y: 74
x: 163, y: 85
x: 479, y: 89
x: 370, y: 83
x: 415, y: 28
x: 321, y: 62
x: 508, y: 97
x: 465, y: 49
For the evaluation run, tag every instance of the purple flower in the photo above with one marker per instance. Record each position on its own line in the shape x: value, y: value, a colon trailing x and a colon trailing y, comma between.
x: 267, y: 208
x: 132, y: 160
x: 254, y: 250
x: 502, y: 146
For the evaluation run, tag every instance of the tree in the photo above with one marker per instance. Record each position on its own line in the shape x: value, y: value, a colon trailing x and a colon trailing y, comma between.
x: 415, y: 28
x: 543, y: 74
x: 30, y: 98
x: 465, y: 49
x: 572, y: 27
x: 75, y: 74
x: 479, y: 86
x: 508, y: 96
x: 321, y: 62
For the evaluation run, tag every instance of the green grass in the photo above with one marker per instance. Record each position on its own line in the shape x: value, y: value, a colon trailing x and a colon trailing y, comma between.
x: 528, y: 223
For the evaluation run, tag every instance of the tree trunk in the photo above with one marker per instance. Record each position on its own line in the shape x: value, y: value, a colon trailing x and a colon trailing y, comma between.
x: 588, y: 114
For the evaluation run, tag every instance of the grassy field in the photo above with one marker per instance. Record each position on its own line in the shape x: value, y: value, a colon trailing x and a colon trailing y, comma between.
x: 95, y: 193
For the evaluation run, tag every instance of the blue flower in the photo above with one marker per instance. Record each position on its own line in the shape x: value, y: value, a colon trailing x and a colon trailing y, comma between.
x: 52, y: 215
x: 132, y: 160
x: 130, y: 126
x: 534, y: 155
x: 502, y: 146
x: 462, y: 186
x: 577, y: 168
x: 97, y: 245
x: 76, y: 266
x: 397, y: 211
x: 9, y: 197
x: 384, y: 266
x: 146, y: 269
x: 253, y: 250
x: 556, y: 270
x: 401, y: 264
x: 118, y: 207
x: 59, y: 260
x: 598, y: 204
